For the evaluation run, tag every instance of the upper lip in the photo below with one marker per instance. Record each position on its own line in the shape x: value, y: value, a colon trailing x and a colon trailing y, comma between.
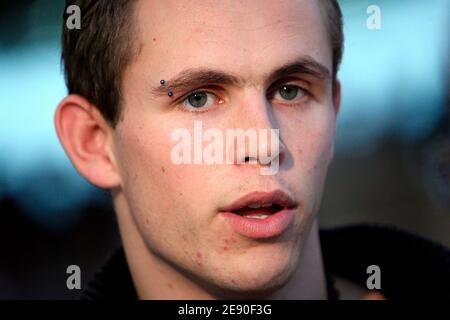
x: 260, y: 197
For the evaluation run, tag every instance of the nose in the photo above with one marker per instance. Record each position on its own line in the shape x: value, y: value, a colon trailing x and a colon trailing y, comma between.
x: 257, y: 139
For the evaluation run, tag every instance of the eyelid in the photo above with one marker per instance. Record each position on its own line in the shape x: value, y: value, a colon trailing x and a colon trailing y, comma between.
x: 273, y: 91
x: 206, y: 89
x: 180, y: 101
x: 290, y: 80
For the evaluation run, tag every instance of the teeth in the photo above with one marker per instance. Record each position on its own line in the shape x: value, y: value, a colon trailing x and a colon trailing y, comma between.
x: 261, y: 216
x: 257, y: 205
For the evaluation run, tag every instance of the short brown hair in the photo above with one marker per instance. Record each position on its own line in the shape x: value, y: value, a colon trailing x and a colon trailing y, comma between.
x: 332, y: 15
x: 96, y: 56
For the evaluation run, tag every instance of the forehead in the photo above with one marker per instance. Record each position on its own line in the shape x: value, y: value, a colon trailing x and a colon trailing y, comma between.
x: 248, y: 37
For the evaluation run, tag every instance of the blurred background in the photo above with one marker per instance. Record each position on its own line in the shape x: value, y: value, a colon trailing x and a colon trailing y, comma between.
x: 392, y: 162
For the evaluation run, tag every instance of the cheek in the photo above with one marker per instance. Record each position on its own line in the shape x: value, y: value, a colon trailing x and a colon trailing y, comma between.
x: 312, y: 140
x: 144, y: 159
x: 161, y: 194
x: 319, y: 148
x: 311, y: 148
x: 150, y: 183
x: 310, y: 144
x: 165, y: 200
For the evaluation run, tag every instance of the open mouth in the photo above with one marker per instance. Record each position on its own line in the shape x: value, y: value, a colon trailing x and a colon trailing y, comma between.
x: 261, y: 205
x: 258, y: 211
x: 261, y: 215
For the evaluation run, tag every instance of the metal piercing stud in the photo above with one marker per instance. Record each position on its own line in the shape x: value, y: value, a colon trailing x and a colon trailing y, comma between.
x: 163, y: 82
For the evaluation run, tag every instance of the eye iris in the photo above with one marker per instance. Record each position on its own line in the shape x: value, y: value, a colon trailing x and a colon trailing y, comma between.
x: 198, y: 99
x: 288, y: 92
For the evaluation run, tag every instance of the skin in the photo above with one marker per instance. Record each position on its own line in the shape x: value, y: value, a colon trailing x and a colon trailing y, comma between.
x: 177, y: 244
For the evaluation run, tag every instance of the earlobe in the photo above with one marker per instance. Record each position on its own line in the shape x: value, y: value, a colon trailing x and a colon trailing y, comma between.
x: 86, y: 139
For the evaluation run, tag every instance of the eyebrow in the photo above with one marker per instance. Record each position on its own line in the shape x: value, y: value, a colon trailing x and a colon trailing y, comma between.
x: 198, y: 77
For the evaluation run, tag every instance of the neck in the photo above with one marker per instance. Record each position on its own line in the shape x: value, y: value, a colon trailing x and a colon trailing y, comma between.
x: 308, y: 281
x: 155, y: 278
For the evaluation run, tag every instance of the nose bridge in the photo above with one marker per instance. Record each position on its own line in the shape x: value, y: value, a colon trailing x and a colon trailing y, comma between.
x: 257, y: 139
x: 255, y: 111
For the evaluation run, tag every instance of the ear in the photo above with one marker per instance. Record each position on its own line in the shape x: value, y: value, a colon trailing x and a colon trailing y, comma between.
x: 87, y: 140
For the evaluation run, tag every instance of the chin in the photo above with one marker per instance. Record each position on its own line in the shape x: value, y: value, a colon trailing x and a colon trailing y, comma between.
x: 256, y: 279
x: 255, y: 288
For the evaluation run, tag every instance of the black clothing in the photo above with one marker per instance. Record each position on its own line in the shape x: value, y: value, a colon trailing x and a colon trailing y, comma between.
x: 412, y: 267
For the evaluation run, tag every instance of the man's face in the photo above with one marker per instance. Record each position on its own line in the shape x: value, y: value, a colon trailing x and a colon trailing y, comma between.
x: 177, y: 208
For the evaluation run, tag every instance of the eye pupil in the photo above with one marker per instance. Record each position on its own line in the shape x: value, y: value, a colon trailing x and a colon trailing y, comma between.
x: 198, y: 99
x: 288, y: 92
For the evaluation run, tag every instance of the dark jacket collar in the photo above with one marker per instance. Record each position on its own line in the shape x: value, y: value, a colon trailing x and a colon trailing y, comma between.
x: 411, y: 266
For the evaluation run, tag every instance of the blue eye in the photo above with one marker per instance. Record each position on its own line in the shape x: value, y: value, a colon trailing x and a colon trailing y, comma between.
x: 290, y: 92
x: 199, y: 99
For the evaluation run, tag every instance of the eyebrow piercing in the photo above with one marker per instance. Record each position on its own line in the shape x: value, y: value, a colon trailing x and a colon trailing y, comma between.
x: 170, y: 93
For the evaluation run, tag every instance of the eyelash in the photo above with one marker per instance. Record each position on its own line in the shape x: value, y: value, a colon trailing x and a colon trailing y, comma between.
x: 192, y: 110
x: 181, y: 100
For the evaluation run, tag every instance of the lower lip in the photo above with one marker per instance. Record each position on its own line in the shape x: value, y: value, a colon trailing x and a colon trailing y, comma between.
x: 272, y: 226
